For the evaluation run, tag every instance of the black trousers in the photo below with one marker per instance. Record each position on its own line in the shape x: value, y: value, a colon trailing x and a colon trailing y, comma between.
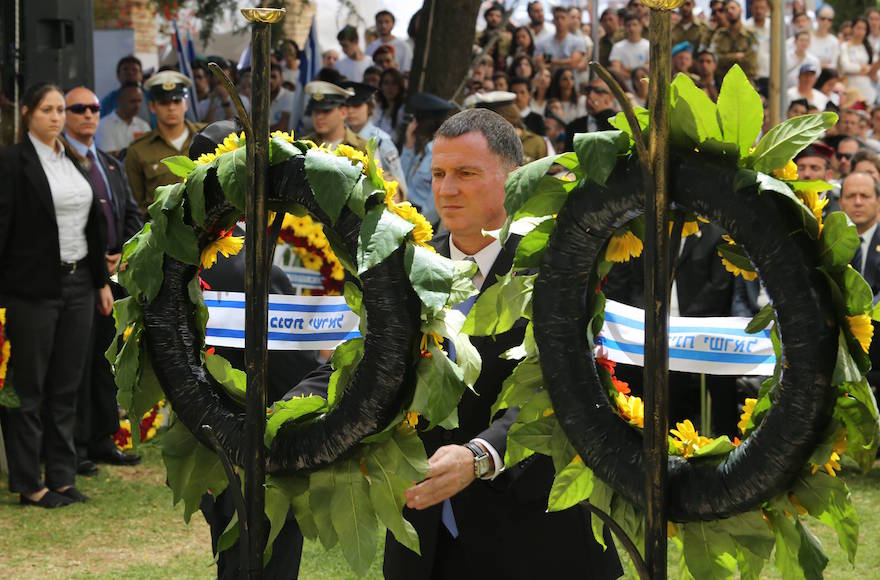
x: 50, y: 339
x: 97, y: 412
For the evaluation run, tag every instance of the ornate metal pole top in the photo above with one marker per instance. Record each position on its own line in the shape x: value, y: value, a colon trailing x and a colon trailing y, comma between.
x: 264, y: 15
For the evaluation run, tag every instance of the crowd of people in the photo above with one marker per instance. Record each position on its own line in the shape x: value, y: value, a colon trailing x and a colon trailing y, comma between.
x: 85, y: 169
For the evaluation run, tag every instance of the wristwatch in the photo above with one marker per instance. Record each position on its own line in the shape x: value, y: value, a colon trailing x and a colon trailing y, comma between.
x: 482, y: 460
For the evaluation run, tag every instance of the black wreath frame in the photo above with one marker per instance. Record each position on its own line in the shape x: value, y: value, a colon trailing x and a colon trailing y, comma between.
x: 383, y: 381
x: 770, y: 459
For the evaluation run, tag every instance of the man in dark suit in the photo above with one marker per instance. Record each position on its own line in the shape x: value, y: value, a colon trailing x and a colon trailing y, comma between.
x: 860, y: 200
x: 600, y: 110
x: 97, y: 411
x: 472, y: 516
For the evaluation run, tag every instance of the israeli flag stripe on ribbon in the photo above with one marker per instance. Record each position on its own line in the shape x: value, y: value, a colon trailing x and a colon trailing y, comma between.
x: 712, y: 345
x: 715, y: 346
x: 295, y: 322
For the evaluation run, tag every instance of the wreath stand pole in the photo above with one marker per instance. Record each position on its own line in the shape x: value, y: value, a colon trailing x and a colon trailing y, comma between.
x: 256, y: 288
x: 657, y: 271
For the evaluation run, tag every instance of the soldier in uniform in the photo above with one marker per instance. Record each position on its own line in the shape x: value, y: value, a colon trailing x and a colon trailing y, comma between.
x: 689, y: 29
x: 502, y: 102
x: 734, y: 44
x: 329, y: 110
x: 172, y: 136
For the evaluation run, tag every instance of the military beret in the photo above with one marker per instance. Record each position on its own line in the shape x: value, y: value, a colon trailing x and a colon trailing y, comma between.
x: 681, y: 47
x: 816, y: 149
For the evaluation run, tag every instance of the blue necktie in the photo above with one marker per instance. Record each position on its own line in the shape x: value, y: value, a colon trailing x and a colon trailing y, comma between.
x: 446, y: 515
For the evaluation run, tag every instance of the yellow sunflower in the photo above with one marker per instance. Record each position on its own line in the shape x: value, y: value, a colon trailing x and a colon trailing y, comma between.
x: 632, y: 409
x: 227, y: 245
x: 622, y: 248
x: 746, y: 416
x: 862, y: 329
x: 788, y: 172
x: 831, y: 467
x: 283, y: 135
x: 687, y: 439
x: 814, y: 203
x: 731, y: 267
x: 411, y: 419
x: 352, y: 154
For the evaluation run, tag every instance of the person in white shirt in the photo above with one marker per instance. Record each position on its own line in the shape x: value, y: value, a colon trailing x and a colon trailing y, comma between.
x: 633, y: 51
x: 402, y: 52
x: 804, y: 88
x: 540, y: 29
x: 857, y: 62
x: 759, y: 25
x: 353, y: 65
x: 117, y: 130
x: 281, y: 106
x: 825, y: 45
x: 800, y: 57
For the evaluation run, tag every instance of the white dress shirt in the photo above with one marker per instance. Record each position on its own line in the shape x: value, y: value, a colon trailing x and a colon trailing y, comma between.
x: 485, y: 259
x: 72, y: 198
x: 114, y: 134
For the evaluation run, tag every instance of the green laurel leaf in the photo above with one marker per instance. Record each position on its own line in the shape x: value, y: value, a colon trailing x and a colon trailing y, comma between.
x: 431, y: 276
x: 353, y: 517
x: 739, y: 110
x: 232, y: 174
x: 571, y: 486
x: 382, y: 232
x: 179, y: 165
x: 192, y: 468
x: 332, y: 179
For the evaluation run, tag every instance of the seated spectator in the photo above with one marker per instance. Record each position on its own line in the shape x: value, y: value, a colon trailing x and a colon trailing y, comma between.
x: 329, y: 58
x: 117, y: 130
x: 355, y: 63
x: 402, y: 53
x: 800, y: 57
x: 633, y: 50
x: 562, y: 88
x: 601, y: 107
x: 281, y: 104
x: 522, y: 67
x: 824, y: 45
x: 858, y: 63
x: 383, y: 57
x: 639, y: 83
x: 804, y: 88
x: 866, y: 162
x: 706, y: 67
x: 372, y: 76
x: 555, y: 128
x: 532, y: 120
x: 844, y: 31
x: 500, y: 48
x: 875, y: 123
x: 499, y: 79
x: 683, y: 59
x: 540, y: 88
x: 523, y: 44
x: 128, y: 70
x: 796, y: 108
x: 217, y: 105
x: 392, y: 92
x: 846, y: 150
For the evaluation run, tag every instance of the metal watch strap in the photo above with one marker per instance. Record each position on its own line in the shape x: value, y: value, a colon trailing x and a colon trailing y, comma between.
x: 482, y: 459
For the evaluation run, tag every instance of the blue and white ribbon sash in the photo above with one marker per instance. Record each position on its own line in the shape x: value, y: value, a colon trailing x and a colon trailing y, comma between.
x: 714, y: 345
x: 295, y: 322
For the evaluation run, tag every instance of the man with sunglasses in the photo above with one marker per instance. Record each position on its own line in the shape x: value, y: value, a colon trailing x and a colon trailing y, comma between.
x: 172, y: 136
x: 601, y: 107
x: 846, y: 150
x: 97, y: 418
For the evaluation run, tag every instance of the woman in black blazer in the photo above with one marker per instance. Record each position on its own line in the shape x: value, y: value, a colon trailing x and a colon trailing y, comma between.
x: 52, y: 273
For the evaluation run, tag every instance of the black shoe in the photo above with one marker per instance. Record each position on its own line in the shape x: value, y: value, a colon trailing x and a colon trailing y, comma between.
x: 114, y: 456
x: 73, y: 494
x: 86, y: 467
x: 49, y: 500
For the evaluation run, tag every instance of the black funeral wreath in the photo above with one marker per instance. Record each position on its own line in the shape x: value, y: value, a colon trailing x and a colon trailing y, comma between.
x: 768, y: 461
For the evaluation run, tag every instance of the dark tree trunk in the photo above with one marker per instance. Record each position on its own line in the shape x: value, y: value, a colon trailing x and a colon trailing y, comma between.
x: 448, y: 39
x: 849, y: 9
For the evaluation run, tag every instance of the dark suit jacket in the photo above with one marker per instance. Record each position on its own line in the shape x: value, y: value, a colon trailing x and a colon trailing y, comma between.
x: 129, y: 219
x: 705, y: 288
x: 580, y: 125
x: 871, y: 272
x: 504, y: 530
x: 30, y: 263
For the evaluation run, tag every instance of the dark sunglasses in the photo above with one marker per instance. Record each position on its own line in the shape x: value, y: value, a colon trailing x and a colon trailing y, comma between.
x: 81, y: 109
x: 847, y: 156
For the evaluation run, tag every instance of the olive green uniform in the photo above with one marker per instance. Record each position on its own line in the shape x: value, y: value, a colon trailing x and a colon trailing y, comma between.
x: 144, y: 167
x: 351, y: 139
x: 726, y: 43
x: 698, y: 35
x: 534, y: 146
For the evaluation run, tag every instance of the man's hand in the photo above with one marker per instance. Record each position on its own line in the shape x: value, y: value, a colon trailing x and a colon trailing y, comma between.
x: 411, y: 134
x: 112, y: 262
x: 105, y: 301
x: 450, y: 470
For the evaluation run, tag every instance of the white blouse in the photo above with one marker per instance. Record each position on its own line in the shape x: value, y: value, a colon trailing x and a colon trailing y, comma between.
x: 72, y: 197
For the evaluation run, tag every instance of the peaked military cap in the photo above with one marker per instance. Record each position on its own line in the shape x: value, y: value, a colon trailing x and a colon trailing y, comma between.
x: 167, y: 84
x: 326, y: 96
x: 362, y: 92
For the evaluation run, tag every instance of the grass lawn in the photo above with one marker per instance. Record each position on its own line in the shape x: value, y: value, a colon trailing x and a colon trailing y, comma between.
x: 131, y: 530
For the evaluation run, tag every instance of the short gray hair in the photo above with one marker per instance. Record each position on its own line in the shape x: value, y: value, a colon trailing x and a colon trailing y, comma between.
x: 869, y: 176
x: 501, y: 136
